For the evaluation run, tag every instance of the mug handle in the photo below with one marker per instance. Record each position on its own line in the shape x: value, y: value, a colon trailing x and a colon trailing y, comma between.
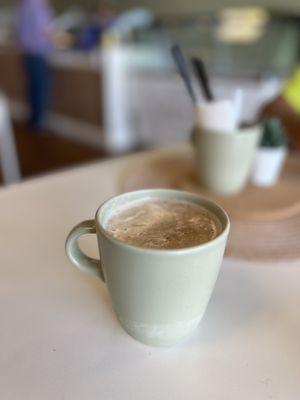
x: 76, y: 256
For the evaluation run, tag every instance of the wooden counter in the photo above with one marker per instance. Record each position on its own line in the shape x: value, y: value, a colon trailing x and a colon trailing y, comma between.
x: 76, y: 84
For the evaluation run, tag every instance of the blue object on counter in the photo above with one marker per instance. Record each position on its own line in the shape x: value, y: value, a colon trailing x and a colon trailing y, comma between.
x: 89, y: 37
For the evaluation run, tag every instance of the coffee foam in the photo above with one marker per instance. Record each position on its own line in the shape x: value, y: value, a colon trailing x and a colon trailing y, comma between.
x: 163, y: 224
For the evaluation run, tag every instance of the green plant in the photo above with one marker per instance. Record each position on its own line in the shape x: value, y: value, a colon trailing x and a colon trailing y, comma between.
x: 273, y: 133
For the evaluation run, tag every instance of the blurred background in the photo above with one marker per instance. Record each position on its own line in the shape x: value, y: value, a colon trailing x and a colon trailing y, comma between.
x: 84, y: 80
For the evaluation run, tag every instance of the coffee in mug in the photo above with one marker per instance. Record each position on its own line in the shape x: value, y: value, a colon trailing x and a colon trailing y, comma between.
x: 163, y: 224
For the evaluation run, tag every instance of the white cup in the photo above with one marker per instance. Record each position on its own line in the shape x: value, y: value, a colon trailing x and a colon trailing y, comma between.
x: 217, y: 116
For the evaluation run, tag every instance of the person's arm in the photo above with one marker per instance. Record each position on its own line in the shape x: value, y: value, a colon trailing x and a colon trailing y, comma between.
x: 286, y: 106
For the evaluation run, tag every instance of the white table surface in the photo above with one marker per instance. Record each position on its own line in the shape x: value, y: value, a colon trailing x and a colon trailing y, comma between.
x: 60, y: 339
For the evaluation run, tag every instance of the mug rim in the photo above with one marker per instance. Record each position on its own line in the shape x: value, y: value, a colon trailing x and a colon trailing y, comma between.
x: 244, y: 131
x: 154, y: 251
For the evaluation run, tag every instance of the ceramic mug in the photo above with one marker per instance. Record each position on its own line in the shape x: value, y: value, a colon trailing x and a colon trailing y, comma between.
x: 223, y: 162
x: 158, y: 295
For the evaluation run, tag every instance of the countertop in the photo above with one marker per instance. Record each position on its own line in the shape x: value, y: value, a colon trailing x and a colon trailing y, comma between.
x: 60, y: 339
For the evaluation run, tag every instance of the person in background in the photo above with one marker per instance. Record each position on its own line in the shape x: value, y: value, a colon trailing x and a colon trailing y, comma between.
x: 286, y: 106
x: 102, y: 20
x: 34, y: 31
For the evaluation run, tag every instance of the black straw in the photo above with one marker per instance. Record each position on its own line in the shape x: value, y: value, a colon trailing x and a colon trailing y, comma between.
x: 202, y: 76
x: 183, y: 71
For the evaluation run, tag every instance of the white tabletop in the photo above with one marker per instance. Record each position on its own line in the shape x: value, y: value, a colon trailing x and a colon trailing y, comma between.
x: 60, y: 339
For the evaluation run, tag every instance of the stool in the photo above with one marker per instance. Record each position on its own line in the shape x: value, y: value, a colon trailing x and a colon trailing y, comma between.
x: 8, y: 155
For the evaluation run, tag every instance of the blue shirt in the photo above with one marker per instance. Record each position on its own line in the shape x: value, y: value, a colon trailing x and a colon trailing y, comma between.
x: 33, y: 19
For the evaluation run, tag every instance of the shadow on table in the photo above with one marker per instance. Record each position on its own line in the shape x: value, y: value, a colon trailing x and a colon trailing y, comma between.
x: 235, y: 302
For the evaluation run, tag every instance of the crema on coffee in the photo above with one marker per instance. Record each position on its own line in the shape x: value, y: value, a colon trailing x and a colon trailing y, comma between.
x: 163, y: 224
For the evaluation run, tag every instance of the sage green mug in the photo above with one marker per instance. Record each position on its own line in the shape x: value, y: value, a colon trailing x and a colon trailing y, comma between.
x: 159, y: 295
x: 224, y: 159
